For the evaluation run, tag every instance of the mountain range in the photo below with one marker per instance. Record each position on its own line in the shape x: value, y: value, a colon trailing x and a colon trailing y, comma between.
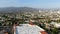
x: 17, y: 9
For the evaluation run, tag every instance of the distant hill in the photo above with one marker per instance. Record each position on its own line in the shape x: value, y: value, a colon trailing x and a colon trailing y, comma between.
x: 17, y: 9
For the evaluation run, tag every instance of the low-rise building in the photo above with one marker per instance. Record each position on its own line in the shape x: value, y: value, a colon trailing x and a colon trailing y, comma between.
x: 57, y: 25
x: 29, y: 29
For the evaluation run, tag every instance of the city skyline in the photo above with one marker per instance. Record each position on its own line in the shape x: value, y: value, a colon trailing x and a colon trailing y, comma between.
x: 30, y: 3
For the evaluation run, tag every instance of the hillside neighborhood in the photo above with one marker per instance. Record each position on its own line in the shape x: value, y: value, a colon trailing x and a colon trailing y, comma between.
x: 48, y: 20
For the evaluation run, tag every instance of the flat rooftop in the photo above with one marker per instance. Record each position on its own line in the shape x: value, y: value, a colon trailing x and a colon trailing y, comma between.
x: 28, y: 29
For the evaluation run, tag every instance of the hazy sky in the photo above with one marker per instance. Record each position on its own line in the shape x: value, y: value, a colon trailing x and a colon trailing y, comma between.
x: 30, y: 3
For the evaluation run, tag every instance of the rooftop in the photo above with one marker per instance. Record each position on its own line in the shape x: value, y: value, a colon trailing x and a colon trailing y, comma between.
x: 29, y: 29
